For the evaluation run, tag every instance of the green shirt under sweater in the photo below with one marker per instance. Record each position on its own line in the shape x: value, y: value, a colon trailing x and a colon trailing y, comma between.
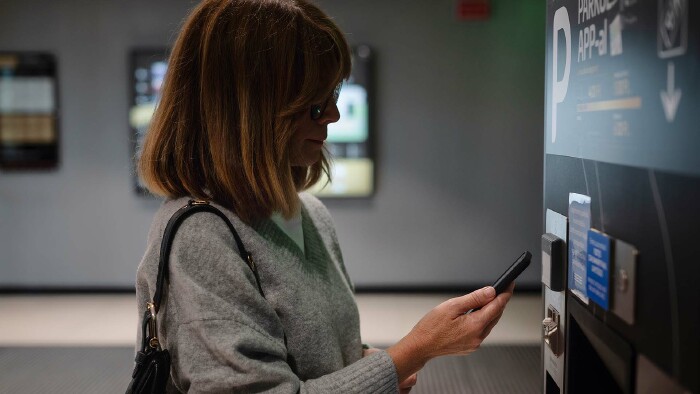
x: 224, y: 337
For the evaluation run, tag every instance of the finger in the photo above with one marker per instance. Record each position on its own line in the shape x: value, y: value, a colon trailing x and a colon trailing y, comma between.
x: 493, y: 308
x: 409, y: 381
x: 473, y: 300
x: 367, y: 352
x: 508, y: 289
x: 485, y: 333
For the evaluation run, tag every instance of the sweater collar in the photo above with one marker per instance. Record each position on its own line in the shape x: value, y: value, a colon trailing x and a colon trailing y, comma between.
x: 315, y: 256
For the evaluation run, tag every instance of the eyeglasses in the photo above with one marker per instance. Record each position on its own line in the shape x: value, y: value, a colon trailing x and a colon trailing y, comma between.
x: 317, y: 110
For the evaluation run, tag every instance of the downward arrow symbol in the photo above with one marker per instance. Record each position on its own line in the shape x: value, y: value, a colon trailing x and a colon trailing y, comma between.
x: 672, y: 96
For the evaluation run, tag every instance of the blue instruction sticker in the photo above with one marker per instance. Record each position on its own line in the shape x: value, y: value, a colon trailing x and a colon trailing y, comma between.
x: 598, y: 268
x: 579, y: 224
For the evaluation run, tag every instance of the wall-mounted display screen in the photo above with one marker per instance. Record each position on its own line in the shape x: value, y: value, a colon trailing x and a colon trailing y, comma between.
x: 148, y: 68
x: 349, y: 139
x: 28, y: 111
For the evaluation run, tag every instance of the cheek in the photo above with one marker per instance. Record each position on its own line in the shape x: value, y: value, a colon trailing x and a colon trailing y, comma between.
x: 302, y: 131
x: 294, y: 148
x: 301, y: 151
x: 301, y: 126
x: 295, y: 144
x: 296, y: 138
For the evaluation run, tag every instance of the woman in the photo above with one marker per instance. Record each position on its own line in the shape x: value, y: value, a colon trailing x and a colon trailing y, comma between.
x: 250, y: 91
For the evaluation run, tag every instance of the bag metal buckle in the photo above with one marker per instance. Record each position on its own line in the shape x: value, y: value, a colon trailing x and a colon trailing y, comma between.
x: 152, y: 327
x: 251, y: 263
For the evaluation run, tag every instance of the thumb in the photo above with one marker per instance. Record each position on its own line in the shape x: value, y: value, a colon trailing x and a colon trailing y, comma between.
x: 475, y: 299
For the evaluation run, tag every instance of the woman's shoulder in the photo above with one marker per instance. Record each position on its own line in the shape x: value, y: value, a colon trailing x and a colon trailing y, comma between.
x: 317, y: 210
x: 200, y: 232
x: 202, y: 223
x: 313, y: 204
x: 166, y: 210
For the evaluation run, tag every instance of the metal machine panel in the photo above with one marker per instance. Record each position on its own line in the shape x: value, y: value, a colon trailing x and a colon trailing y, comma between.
x: 554, y: 308
x: 625, y: 281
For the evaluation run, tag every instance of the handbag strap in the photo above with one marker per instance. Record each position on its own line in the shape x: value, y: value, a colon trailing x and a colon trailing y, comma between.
x: 192, y: 207
x: 149, y: 318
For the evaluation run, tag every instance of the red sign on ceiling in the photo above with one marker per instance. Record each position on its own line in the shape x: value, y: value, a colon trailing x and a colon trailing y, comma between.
x: 468, y: 10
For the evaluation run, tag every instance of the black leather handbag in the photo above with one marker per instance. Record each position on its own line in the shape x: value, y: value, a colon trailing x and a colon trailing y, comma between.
x: 152, y: 361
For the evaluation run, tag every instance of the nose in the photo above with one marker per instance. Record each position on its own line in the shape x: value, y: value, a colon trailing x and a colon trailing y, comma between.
x: 331, y: 114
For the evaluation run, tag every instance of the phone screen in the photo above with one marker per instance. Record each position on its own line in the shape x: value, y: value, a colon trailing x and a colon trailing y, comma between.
x: 512, y: 272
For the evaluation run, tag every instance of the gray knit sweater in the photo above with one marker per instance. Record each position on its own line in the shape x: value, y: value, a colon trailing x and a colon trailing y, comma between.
x: 224, y: 337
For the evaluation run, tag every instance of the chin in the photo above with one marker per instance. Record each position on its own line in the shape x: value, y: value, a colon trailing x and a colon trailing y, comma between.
x: 305, y: 164
x: 307, y: 161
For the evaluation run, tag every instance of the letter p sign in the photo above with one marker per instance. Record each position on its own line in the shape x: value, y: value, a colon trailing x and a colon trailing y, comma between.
x: 559, y: 88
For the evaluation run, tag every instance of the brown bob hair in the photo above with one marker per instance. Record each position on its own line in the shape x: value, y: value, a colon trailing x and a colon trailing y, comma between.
x: 239, y: 75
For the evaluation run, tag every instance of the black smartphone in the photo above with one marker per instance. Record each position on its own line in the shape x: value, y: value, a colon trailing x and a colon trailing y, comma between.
x: 512, y: 272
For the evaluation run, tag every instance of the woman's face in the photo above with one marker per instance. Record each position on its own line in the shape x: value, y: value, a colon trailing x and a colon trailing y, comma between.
x: 307, y: 141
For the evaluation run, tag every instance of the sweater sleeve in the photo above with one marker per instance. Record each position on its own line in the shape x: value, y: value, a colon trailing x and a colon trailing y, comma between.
x: 223, y: 336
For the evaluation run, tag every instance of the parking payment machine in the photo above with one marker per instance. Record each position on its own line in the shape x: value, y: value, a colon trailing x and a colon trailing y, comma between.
x: 620, y: 266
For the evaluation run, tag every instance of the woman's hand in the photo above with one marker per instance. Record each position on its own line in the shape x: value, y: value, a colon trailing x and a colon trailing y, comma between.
x: 407, y: 384
x: 448, y: 330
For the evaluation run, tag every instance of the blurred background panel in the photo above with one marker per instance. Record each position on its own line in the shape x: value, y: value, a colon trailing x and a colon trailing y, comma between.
x: 457, y: 122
